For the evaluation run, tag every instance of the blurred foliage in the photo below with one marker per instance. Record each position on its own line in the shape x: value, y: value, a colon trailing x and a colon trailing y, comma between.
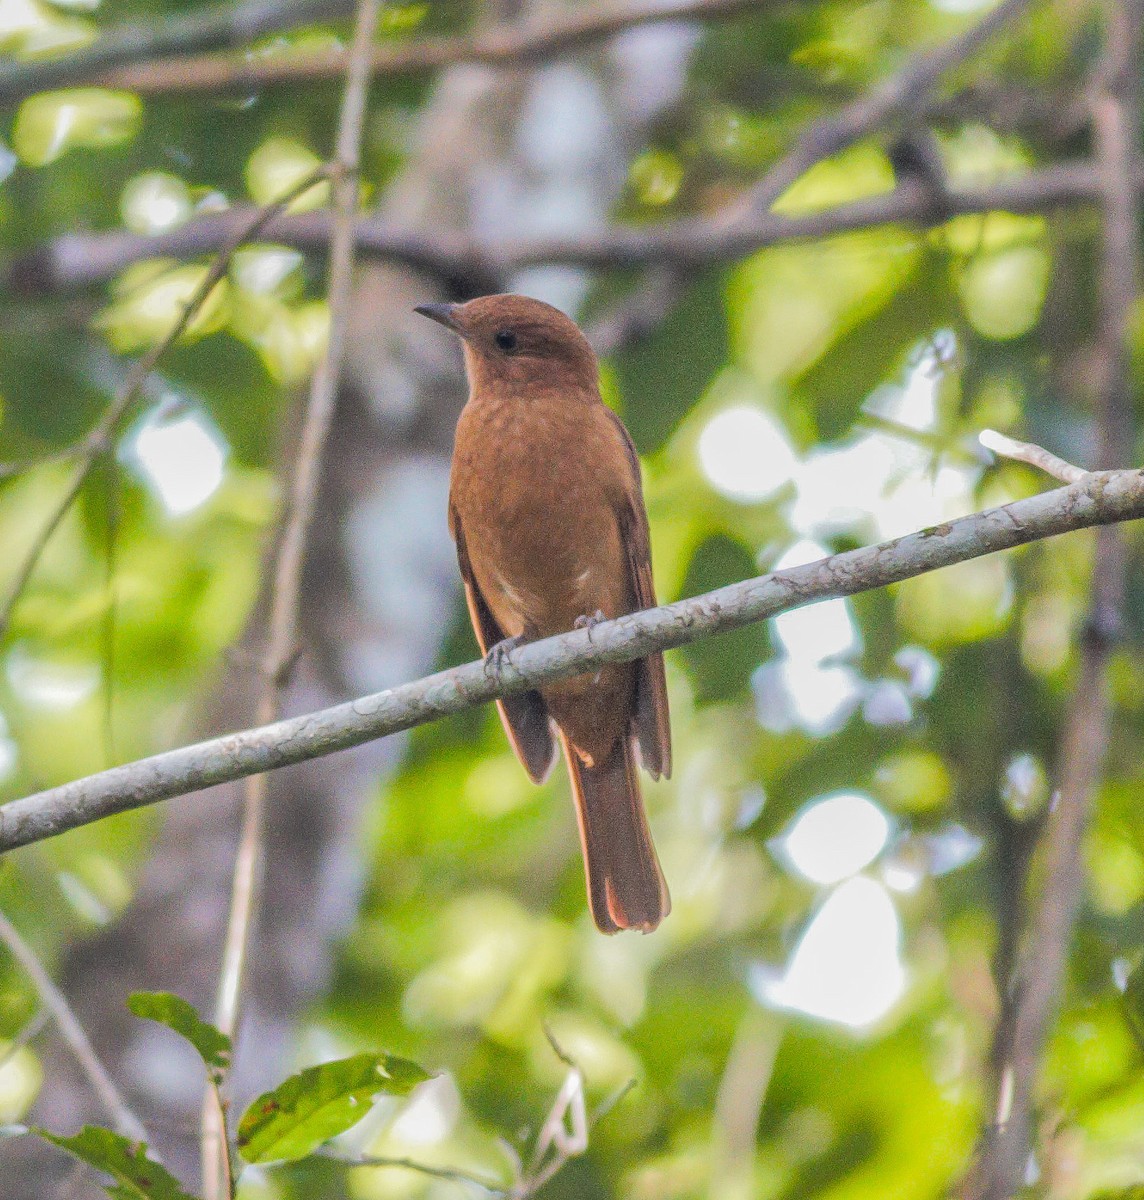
x: 811, y: 397
x: 135, y: 1176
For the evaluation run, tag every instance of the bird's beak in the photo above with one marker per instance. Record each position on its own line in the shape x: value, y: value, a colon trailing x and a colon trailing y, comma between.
x: 443, y: 314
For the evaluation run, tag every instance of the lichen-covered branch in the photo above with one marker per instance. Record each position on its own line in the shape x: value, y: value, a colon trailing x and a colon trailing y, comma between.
x: 1100, y: 498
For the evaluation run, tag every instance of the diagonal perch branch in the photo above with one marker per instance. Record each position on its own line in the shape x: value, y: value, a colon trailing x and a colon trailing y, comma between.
x: 1100, y: 498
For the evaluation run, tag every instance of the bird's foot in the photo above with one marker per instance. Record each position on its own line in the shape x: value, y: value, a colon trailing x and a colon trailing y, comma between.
x: 497, y: 655
x: 589, y: 622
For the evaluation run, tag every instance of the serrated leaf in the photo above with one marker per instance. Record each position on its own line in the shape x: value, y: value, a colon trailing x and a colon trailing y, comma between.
x: 319, y: 1103
x: 136, y: 1176
x: 178, y: 1014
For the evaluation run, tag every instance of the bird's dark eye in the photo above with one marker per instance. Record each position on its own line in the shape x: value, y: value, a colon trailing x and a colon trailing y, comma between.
x: 505, y: 340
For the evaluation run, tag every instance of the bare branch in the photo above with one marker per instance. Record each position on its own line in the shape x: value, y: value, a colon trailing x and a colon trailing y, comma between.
x: 126, y: 1122
x: 903, y: 92
x: 1100, y: 498
x: 504, y: 45
x: 1034, y: 992
x: 82, y: 260
x: 212, y: 27
x: 102, y: 437
x: 286, y: 584
x: 1034, y: 455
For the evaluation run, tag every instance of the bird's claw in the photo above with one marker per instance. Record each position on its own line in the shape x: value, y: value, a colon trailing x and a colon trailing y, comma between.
x: 589, y: 621
x: 497, y: 655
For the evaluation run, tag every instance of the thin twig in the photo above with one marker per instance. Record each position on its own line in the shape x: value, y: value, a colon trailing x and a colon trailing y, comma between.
x: 566, y: 1129
x: 81, y: 260
x: 504, y: 45
x: 286, y: 582
x: 101, y: 439
x: 552, y: 1134
x: 111, y: 610
x: 452, y: 1174
x: 563, y: 1135
x: 740, y: 1099
x: 1101, y: 498
x: 1021, y: 1035
x: 1031, y: 453
x: 126, y: 1122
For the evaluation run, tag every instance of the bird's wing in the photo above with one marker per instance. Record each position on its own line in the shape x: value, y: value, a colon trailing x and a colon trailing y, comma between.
x: 650, y: 719
x: 524, y: 715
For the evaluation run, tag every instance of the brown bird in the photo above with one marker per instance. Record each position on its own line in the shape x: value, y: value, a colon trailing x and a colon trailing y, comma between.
x: 546, y: 507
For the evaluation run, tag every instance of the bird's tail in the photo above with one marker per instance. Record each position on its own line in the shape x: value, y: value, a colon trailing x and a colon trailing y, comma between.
x: 626, y: 888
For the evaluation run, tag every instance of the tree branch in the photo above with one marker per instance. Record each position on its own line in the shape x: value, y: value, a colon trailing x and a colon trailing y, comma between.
x: 1035, y: 990
x: 900, y: 93
x: 1100, y: 498
x: 54, y: 1001
x: 82, y: 260
x: 508, y: 44
x: 102, y: 437
x: 212, y: 27
x: 30, y: 1030
x: 451, y: 1174
x: 1032, y: 454
x: 286, y: 584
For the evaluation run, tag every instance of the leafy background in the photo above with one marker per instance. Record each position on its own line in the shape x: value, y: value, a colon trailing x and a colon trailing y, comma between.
x: 796, y: 1029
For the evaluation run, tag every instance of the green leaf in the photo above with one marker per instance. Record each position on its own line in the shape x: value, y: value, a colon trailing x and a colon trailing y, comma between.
x: 136, y: 1176
x: 178, y: 1014
x: 319, y: 1103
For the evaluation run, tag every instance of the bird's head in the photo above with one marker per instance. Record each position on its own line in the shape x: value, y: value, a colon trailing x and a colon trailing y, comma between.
x: 517, y: 343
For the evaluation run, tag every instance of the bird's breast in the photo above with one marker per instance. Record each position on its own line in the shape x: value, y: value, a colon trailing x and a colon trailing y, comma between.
x: 533, y: 489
